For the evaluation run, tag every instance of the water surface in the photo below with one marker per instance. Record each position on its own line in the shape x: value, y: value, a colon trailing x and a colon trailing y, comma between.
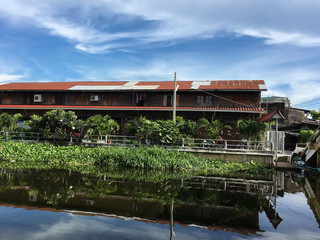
x: 57, y: 204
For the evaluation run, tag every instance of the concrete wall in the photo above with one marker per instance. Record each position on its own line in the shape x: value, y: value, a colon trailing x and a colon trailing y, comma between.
x: 242, y: 157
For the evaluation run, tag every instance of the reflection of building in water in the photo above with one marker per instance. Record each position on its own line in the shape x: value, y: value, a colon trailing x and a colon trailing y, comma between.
x: 311, y: 187
x: 216, y: 203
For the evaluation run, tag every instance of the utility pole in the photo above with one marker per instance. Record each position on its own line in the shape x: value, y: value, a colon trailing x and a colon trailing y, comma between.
x: 174, y: 97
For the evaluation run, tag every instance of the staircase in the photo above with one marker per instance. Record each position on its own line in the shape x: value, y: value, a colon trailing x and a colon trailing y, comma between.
x: 313, y: 149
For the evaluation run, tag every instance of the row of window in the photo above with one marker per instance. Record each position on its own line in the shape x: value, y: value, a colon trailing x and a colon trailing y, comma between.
x: 136, y: 99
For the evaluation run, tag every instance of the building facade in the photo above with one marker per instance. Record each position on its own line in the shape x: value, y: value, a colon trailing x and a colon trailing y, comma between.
x: 227, y: 101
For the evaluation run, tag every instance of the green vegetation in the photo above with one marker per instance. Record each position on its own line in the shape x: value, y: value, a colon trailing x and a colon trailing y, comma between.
x: 139, y: 127
x: 101, y: 126
x: 61, y: 125
x: 213, y: 128
x: 56, y: 121
x: 64, y: 157
x: 315, y: 114
x: 252, y: 130
x: 167, y: 131
x: 9, y: 122
x: 305, y: 135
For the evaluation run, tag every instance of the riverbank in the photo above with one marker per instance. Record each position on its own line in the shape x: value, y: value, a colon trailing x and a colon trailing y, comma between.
x: 40, y: 155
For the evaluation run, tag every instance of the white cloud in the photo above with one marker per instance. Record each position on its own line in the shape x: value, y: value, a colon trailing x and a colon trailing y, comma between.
x: 278, y: 22
x: 11, y: 69
x: 9, y: 78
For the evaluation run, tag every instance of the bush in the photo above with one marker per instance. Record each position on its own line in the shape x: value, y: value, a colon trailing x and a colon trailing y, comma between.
x: 305, y: 135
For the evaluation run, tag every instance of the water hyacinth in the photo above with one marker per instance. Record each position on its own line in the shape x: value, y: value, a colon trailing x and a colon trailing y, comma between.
x: 147, y: 158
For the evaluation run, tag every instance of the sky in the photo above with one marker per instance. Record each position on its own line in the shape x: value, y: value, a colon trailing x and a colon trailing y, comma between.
x: 277, y: 41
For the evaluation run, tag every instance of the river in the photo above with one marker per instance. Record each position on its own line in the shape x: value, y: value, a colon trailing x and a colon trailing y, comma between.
x: 58, y: 204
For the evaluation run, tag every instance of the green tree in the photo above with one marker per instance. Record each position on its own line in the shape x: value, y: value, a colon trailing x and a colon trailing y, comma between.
x: 101, y: 125
x: 315, y: 114
x: 9, y: 122
x: 55, y: 121
x: 251, y: 130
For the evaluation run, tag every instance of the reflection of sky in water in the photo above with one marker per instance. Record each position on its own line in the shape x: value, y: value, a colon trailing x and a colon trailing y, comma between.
x: 16, y: 223
x: 26, y: 224
x: 298, y: 219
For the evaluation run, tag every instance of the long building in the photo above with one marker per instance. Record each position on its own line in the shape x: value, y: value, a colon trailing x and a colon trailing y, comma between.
x: 227, y: 101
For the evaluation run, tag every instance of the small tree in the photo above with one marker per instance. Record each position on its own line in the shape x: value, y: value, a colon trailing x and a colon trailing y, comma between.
x: 165, y: 132
x: 35, y: 123
x: 189, y: 129
x: 139, y: 126
x: 101, y: 125
x: 213, y: 128
x: 9, y: 122
x: 55, y: 121
x: 251, y: 130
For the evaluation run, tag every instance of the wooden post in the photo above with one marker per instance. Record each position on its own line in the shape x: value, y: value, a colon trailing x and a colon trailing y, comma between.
x: 174, y: 97
x: 171, y: 219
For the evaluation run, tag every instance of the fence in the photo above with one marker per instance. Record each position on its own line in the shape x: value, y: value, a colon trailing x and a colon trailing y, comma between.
x: 218, y: 144
x: 132, y: 141
x: 112, y: 140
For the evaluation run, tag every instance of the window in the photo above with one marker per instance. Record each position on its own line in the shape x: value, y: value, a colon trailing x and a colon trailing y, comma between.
x: 167, y: 100
x: 200, y: 101
x: 204, y: 101
x: 208, y: 101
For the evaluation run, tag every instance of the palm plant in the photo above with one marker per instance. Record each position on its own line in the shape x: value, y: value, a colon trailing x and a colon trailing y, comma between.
x: 139, y: 126
x: 186, y: 128
x: 101, y: 125
x: 251, y: 130
x: 213, y: 128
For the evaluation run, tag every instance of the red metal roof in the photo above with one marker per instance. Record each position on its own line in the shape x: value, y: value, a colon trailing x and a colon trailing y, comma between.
x: 257, y: 85
x: 269, y: 116
x: 141, y: 108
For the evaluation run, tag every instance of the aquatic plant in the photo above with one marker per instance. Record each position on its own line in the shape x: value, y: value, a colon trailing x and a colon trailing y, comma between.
x: 65, y: 157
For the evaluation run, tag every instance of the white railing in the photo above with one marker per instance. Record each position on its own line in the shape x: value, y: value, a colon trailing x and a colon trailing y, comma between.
x: 220, y: 144
x: 132, y: 141
x: 112, y: 140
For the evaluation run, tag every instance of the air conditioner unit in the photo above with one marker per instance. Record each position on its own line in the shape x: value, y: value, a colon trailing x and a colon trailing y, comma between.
x: 37, y: 98
x: 94, y: 98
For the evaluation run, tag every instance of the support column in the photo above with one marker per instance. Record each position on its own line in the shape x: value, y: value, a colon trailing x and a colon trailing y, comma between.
x: 318, y: 158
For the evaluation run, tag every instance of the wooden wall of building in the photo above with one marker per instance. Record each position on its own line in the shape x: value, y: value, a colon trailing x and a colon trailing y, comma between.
x: 184, y: 99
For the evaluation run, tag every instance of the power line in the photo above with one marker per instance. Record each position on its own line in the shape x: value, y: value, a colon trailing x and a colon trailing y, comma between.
x: 316, y: 100
x: 308, y: 104
x: 301, y: 101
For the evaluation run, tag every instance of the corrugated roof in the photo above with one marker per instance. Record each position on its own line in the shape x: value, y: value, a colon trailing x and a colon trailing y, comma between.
x: 269, y: 116
x: 141, y: 108
x: 257, y: 85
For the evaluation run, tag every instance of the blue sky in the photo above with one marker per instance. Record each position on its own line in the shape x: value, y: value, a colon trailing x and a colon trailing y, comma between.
x: 274, y: 40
